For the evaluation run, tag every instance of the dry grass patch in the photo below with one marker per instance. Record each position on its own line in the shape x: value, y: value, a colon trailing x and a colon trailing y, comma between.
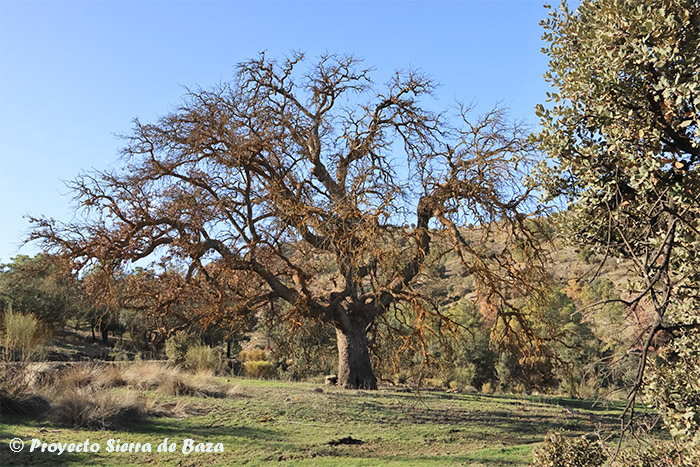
x: 63, y: 377
x: 18, y: 394
x: 82, y: 395
x: 77, y: 376
x: 88, y: 407
x: 111, y: 376
x: 198, y: 385
x: 171, y: 380
x: 148, y: 376
x: 178, y: 409
x: 234, y: 391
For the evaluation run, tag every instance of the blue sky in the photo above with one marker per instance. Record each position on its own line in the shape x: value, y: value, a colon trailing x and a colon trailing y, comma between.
x: 74, y: 74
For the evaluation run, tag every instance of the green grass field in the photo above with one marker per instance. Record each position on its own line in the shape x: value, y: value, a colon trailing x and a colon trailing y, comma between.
x: 272, y: 422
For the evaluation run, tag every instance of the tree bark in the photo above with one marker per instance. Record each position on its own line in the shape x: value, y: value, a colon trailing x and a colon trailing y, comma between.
x: 354, y: 365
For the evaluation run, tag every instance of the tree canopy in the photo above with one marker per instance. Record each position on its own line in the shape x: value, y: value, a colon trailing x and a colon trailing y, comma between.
x: 40, y: 286
x: 251, y: 188
x: 623, y: 128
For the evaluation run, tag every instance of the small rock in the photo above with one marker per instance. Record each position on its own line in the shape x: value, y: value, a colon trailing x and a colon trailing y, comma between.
x: 318, y: 390
x: 331, y: 380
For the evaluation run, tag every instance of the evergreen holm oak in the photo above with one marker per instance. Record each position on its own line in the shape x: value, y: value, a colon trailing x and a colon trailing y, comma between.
x: 623, y: 130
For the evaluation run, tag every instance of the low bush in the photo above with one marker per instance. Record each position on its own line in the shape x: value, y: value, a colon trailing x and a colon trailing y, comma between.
x: 253, y: 355
x: 657, y: 455
x: 24, y: 336
x: 177, y: 345
x: 202, y: 358
x: 558, y: 450
x: 258, y: 369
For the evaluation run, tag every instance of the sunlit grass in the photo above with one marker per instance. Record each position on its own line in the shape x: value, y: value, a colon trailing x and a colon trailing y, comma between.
x: 265, y: 422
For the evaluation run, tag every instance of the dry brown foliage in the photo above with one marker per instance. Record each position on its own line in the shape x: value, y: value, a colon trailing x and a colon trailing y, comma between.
x: 248, y: 191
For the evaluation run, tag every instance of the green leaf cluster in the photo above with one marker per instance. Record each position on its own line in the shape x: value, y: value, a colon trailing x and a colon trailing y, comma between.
x: 622, y: 125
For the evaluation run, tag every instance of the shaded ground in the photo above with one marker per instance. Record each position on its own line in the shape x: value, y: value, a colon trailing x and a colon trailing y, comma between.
x: 273, y: 422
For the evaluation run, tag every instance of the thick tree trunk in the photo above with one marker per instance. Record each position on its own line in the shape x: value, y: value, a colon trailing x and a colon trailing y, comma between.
x: 354, y: 365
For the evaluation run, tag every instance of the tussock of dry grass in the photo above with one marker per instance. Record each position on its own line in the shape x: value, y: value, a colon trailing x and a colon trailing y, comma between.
x: 80, y: 395
x: 148, y: 376
x: 198, y: 385
x: 87, y: 407
x: 77, y: 376
x: 23, y: 403
x: 111, y: 376
x: 171, y: 380
x: 234, y: 391
x: 18, y: 394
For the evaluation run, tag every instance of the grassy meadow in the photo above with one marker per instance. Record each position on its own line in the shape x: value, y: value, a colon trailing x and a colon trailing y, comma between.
x: 260, y: 422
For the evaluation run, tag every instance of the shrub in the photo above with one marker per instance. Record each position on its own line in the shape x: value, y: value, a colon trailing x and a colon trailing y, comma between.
x: 253, y: 355
x: 176, y: 346
x: 673, y: 385
x: 657, y: 455
x: 434, y: 383
x: 24, y: 337
x: 202, y: 358
x: 558, y: 450
x: 258, y: 369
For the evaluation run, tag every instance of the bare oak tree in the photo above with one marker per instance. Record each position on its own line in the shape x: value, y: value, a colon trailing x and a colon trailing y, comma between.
x: 252, y: 187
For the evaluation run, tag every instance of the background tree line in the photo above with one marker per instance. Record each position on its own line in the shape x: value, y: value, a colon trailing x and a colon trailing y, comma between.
x: 468, y: 354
